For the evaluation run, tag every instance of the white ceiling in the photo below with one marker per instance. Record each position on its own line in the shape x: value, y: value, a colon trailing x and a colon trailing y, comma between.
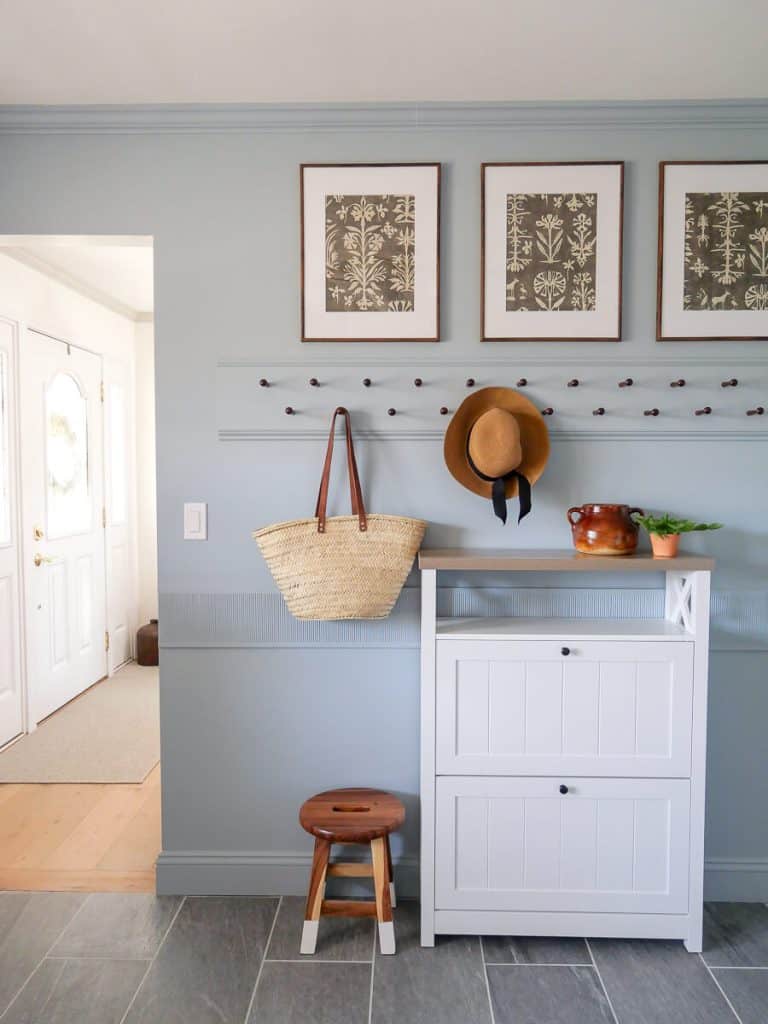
x: 116, y: 272
x: 197, y: 51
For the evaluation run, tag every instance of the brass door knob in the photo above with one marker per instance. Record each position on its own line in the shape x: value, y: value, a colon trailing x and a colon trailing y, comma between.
x: 38, y: 533
x: 42, y: 560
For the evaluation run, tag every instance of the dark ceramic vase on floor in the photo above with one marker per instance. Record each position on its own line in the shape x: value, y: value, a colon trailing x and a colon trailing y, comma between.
x: 600, y: 529
x: 147, y: 652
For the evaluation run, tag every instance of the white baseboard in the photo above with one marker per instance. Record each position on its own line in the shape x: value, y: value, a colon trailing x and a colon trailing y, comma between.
x: 737, y: 879
x: 283, y: 873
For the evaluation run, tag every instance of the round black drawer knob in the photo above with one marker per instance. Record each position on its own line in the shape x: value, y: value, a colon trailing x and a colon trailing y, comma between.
x: 565, y: 651
x: 563, y: 789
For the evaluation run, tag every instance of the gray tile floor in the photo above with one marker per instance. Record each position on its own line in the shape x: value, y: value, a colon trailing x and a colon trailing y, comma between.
x: 134, y: 959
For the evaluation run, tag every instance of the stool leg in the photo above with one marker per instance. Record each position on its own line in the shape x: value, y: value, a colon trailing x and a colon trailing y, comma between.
x: 315, y: 895
x: 390, y: 874
x: 383, y: 905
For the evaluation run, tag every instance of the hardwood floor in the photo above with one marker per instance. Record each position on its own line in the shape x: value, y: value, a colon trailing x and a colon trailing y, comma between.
x: 80, y: 837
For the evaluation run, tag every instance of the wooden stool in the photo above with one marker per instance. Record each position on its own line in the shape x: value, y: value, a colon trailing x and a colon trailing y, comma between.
x: 351, y: 816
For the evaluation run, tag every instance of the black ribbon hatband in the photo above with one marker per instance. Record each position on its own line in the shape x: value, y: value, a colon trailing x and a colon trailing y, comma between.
x: 499, y: 489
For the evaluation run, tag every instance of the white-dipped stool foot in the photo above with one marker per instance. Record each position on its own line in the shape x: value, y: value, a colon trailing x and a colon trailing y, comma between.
x: 386, y: 937
x: 392, y: 897
x: 309, y: 937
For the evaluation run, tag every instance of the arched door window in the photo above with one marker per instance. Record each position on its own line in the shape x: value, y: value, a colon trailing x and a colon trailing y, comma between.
x: 66, y: 453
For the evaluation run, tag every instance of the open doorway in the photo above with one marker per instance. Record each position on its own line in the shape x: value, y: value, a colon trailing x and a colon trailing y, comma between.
x: 79, y: 729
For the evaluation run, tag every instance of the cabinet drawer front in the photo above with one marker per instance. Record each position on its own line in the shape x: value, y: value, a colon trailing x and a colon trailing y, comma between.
x: 524, y: 708
x: 607, y: 846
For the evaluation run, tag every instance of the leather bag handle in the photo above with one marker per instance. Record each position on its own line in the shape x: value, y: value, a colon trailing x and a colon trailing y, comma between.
x: 355, y: 491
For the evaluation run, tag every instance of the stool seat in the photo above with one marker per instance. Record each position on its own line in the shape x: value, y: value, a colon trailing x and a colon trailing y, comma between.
x: 351, y: 815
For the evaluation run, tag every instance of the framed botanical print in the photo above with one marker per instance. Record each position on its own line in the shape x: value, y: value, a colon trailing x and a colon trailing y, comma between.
x: 551, y: 251
x: 713, y: 251
x: 370, y: 252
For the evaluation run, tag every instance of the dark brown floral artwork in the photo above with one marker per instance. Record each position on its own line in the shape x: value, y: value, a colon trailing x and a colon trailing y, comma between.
x: 551, y: 252
x: 726, y: 251
x: 370, y: 249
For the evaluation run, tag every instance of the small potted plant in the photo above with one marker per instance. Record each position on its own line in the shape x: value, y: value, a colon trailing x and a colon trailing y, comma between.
x: 665, y: 532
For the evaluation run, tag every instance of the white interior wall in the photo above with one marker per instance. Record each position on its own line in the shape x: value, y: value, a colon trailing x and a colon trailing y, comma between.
x: 34, y: 300
x: 146, y: 503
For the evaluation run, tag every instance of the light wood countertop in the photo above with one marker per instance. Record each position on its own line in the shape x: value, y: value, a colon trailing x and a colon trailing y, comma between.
x: 535, y: 560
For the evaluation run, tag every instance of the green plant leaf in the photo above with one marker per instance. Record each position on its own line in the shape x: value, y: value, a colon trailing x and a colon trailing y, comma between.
x: 666, y: 525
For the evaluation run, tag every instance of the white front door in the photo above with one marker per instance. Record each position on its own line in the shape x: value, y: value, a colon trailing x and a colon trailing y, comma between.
x: 63, y: 521
x: 11, y: 717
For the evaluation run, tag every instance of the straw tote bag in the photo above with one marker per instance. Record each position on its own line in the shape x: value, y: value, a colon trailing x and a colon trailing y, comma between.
x: 343, y: 567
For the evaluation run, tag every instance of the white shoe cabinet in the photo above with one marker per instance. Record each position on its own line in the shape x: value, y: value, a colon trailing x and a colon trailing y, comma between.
x: 563, y: 760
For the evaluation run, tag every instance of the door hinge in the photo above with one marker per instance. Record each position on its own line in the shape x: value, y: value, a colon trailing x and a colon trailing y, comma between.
x: 104, y: 516
x: 102, y: 391
x: 106, y: 641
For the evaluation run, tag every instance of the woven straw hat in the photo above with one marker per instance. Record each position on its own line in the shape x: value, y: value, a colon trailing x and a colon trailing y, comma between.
x: 496, y: 437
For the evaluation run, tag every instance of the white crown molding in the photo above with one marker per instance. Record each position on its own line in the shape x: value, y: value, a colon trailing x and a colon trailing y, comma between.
x: 76, y: 284
x: 357, y: 117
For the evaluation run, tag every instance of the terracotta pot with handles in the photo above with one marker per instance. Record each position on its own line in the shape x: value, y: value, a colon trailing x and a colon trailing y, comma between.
x: 600, y: 529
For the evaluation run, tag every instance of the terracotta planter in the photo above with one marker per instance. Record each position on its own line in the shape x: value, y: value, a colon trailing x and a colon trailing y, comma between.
x: 600, y: 529
x: 665, y: 547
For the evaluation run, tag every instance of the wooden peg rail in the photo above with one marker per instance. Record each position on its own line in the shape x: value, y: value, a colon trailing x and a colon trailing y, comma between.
x: 602, y: 402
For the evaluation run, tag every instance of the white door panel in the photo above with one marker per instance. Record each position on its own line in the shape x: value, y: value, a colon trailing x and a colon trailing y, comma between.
x: 605, y: 845
x: 11, y: 697
x: 524, y: 708
x: 63, y: 532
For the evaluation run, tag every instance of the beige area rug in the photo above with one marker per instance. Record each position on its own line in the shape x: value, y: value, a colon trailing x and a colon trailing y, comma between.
x: 109, y: 734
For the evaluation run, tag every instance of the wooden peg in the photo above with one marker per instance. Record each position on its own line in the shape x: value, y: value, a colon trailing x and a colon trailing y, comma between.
x: 548, y: 411
x: 757, y: 411
x: 600, y: 411
x: 470, y: 382
x: 289, y: 411
x: 523, y: 382
x: 730, y: 383
x: 263, y: 383
x: 366, y: 382
x: 626, y: 383
x: 443, y: 410
x: 650, y: 412
x: 418, y: 382
x: 704, y: 412
x: 391, y: 412
x: 679, y: 383
x: 574, y: 383
x: 314, y: 382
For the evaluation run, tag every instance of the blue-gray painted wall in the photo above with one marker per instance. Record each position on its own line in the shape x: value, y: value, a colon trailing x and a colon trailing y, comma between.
x: 258, y: 712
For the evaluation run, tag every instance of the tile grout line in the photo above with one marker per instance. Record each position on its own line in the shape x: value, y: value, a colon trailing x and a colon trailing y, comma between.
x: 490, y: 963
x: 311, y: 960
x: 720, y: 989
x: 45, y: 955
x: 151, y: 962
x: 373, y: 969
x: 733, y: 967
x: 263, y: 960
x: 109, y: 959
x: 487, y: 981
x: 600, y: 979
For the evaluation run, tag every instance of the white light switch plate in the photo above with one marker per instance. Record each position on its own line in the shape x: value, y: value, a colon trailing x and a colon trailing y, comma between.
x: 195, y: 520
